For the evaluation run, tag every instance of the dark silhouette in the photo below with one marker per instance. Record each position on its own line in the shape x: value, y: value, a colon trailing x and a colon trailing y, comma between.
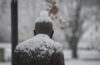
x: 14, y: 26
x: 44, y: 28
x: 42, y: 55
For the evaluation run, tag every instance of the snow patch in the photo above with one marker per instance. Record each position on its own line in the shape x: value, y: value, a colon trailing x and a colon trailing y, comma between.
x: 41, y: 42
x: 44, y: 17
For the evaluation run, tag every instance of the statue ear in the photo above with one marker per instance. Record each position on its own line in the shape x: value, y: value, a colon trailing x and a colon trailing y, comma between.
x: 34, y: 32
x: 51, y: 34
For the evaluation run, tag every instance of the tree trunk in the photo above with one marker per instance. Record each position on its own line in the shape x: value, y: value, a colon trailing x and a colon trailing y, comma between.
x: 2, y: 54
x: 74, y: 51
x: 73, y: 45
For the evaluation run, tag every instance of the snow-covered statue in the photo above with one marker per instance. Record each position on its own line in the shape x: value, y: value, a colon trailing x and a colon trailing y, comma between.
x: 41, y: 49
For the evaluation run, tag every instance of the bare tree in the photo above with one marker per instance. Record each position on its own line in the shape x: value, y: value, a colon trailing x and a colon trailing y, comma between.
x: 76, y: 30
x: 75, y: 25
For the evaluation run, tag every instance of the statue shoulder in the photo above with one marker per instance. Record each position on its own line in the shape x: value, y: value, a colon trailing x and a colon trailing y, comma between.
x: 58, y: 46
x: 24, y: 45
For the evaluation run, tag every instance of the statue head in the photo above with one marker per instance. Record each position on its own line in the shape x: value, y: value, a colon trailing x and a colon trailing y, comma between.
x: 44, y: 25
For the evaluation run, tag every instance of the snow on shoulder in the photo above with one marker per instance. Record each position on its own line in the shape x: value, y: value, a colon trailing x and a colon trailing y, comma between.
x: 41, y: 42
x: 44, y: 17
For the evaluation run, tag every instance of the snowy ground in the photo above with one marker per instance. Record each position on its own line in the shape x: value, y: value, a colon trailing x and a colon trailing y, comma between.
x: 7, y: 63
x: 81, y: 62
x: 71, y: 62
x: 86, y: 57
x: 83, y: 54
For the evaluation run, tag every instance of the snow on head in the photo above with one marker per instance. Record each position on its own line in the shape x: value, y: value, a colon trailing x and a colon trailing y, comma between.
x: 44, y: 14
x: 44, y: 17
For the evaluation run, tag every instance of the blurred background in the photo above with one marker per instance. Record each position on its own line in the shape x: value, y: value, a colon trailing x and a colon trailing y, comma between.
x: 76, y: 27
